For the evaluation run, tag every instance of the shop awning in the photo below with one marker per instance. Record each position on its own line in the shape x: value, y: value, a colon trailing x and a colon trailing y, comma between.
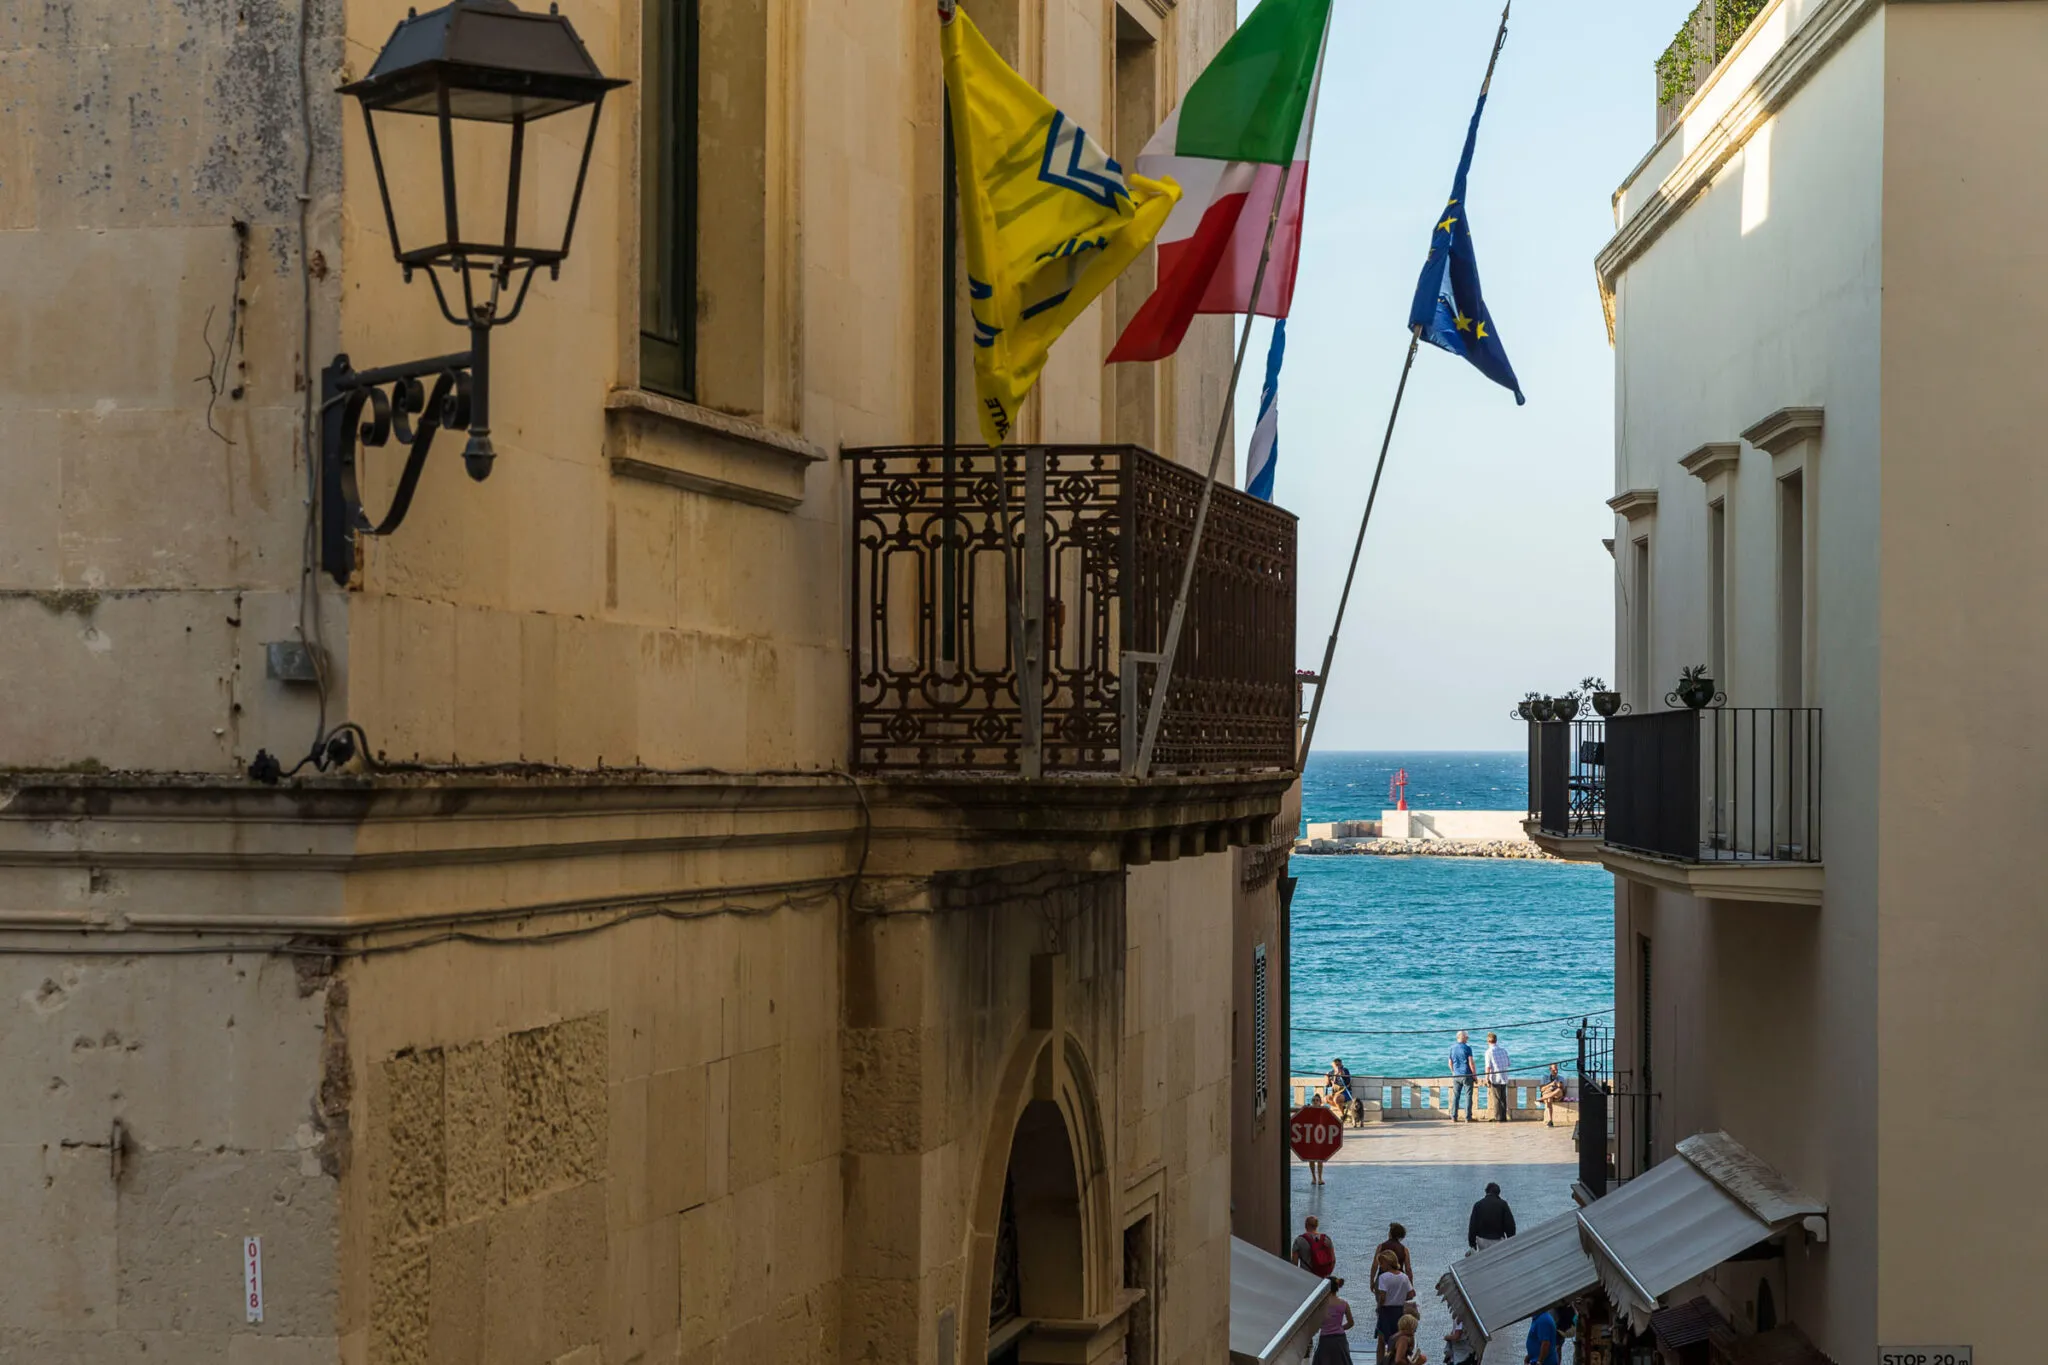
x: 1275, y: 1307
x: 1509, y: 1281
x: 1685, y: 1216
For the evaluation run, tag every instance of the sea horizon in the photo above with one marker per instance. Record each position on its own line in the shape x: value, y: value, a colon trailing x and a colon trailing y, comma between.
x: 1391, y: 956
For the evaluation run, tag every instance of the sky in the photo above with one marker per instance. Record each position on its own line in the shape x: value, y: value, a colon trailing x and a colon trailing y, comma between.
x: 1483, y: 575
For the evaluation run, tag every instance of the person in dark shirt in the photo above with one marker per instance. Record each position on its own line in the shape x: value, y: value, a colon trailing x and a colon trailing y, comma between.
x: 1464, y: 1083
x: 1492, y: 1220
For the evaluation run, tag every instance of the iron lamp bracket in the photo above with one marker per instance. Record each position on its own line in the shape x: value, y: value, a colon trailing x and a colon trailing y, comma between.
x: 371, y: 408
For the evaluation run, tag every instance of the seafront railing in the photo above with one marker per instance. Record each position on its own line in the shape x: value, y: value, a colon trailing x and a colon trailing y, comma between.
x: 1429, y: 1097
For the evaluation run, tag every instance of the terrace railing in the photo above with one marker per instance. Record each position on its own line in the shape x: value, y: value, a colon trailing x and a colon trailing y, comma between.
x: 1569, y: 779
x: 1724, y: 784
x: 946, y: 679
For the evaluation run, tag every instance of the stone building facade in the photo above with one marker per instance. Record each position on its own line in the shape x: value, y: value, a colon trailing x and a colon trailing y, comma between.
x: 597, y: 1009
x: 1826, y: 493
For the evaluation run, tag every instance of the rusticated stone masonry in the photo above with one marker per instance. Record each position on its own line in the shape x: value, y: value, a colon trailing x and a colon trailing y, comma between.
x: 487, y: 1198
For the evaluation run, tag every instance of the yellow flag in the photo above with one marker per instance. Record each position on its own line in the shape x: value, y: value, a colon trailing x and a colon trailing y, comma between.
x: 1049, y: 219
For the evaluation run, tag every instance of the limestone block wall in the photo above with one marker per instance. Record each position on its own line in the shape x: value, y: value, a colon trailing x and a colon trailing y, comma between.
x: 1010, y: 988
x: 611, y: 1148
x: 155, y: 244
x: 1173, y: 1109
x: 1107, y: 996
x: 159, y: 1110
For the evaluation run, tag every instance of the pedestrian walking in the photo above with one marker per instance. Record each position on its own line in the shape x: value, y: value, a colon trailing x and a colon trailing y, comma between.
x: 1315, y: 1168
x: 1313, y: 1250
x: 1404, y: 1352
x: 1491, y: 1221
x: 1498, y: 1073
x: 1546, y: 1336
x: 1393, y: 1287
x: 1553, y: 1095
x: 1464, y: 1084
x: 1397, y: 1243
x: 1333, y: 1346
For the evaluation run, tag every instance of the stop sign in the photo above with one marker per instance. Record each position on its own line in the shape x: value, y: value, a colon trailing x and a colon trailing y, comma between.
x: 1315, y: 1133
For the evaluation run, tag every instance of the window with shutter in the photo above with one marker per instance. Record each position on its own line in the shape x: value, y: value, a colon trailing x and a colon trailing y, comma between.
x: 1259, y: 1016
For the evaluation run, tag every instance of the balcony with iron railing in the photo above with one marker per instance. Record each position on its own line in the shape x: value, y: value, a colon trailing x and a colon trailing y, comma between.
x: 1568, y: 787
x: 1008, y: 612
x: 1720, y: 802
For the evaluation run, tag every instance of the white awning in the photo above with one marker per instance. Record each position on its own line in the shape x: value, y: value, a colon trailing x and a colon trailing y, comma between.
x: 1492, y: 1289
x: 1685, y: 1216
x: 1275, y: 1307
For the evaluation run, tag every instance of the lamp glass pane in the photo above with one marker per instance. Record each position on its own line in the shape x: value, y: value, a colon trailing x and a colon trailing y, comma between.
x: 410, y: 150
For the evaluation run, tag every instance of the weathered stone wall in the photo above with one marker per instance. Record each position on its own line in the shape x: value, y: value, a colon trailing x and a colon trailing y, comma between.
x: 160, y: 1109
x: 154, y: 242
x: 1174, y: 1102
x: 617, y: 1147
x: 939, y: 1013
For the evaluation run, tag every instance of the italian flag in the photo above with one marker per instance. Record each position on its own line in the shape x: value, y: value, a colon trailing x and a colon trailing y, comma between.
x: 1248, y: 115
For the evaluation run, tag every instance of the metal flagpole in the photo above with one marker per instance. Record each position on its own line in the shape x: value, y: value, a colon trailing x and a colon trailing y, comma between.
x: 1163, y: 677
x: 1322, y: 677
x: 1315, y: 710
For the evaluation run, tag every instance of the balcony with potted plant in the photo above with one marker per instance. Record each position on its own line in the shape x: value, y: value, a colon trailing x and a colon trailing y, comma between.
x: 1722, y: 802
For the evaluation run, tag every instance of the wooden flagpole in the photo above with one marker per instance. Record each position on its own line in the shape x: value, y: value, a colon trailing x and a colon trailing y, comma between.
x: 1163, y: 678
x: 1322, y: 677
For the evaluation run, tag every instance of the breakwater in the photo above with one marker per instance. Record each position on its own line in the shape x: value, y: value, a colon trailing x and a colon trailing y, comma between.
x: 1424, y: 848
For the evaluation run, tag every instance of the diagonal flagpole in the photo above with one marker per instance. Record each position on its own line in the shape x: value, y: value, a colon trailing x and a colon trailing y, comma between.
x: 1322, y: 677
x: 1161, y: 679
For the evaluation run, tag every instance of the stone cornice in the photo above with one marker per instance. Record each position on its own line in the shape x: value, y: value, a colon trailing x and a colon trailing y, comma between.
x: 1826, y: 29
x: 340, y: 857
x: 1786, y: 428
x: 1713, y: 458
x: 1636, y: 502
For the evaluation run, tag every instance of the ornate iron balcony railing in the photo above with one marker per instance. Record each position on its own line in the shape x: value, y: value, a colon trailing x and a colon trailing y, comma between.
x: 1096, y: 535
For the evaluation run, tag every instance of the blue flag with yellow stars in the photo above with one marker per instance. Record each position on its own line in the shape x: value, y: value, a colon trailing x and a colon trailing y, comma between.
x: 1449, y: 308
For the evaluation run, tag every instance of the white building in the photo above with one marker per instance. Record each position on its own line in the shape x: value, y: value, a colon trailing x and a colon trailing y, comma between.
x: 1828, y: 293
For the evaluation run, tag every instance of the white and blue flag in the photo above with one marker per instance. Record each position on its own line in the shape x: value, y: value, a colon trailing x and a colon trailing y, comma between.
x: 1265, y: 451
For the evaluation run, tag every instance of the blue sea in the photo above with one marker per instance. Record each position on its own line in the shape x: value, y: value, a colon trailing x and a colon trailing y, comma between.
x: 1391, y: 956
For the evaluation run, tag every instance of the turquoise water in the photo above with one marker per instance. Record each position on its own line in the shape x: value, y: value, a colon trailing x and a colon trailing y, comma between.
x: 1391, y: 956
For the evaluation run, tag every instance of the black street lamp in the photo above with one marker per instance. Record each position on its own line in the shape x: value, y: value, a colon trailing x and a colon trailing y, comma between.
x: 446, y: 107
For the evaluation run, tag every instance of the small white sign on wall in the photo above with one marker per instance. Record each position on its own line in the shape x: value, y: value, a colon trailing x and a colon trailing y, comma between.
x: 252, y: 1277
x: 1924, y: 1355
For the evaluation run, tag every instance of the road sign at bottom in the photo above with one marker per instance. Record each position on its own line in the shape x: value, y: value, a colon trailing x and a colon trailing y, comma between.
x: 1315, y: 1133
x: 1924, y: 1355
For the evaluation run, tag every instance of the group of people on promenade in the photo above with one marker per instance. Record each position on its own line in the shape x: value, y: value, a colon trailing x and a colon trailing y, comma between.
x: 1397, y: 1309
x: 1339, y: 1090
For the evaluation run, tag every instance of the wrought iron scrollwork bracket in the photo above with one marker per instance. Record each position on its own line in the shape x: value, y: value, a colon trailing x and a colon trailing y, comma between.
x: 398, y: 404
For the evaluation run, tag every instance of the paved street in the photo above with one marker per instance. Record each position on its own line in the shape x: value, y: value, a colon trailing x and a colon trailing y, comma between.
x: 1426, y: 1174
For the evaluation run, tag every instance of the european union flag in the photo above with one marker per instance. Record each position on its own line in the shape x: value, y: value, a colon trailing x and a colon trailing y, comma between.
x: 1449, y: 307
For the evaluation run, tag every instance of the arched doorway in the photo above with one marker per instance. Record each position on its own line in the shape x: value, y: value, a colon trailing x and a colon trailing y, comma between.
x: 1039, y: 1249
x: 1040, y: 1253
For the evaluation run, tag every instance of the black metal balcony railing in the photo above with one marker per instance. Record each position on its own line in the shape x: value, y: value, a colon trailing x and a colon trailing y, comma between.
x: 1568, y: 777
x: 1100, y: 533
x: 1726, y: 784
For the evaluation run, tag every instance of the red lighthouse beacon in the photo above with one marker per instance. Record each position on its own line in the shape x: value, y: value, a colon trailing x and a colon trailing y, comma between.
x: 1397, y: 789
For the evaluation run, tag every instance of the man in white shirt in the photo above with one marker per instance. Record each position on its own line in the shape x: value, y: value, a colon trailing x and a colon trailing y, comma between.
x: 1497, y: 1073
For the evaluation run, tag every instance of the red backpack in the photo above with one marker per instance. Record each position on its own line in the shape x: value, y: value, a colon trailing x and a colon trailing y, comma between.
x: 1322, y: 1255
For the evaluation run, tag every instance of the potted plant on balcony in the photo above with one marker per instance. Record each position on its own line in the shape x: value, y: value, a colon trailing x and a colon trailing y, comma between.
x: 1605, y: 702
x: 1695, y: 689
x: 1526, y: 709
x: 1565, y: 707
